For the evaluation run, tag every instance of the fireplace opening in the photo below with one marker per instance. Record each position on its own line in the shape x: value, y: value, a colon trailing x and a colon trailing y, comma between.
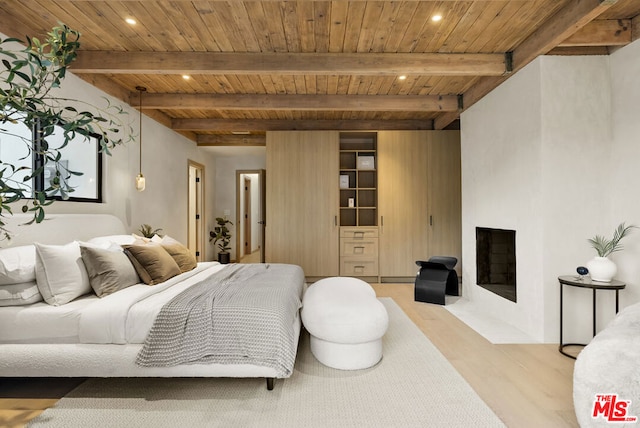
x: 496, y: 261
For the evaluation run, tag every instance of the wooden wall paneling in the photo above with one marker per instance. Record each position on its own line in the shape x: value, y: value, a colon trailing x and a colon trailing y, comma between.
x: 444, y: 196
x: 302, y: 200
x: 402, y: 201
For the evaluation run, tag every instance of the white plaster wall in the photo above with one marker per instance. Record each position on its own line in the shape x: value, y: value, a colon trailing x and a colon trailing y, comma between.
x: 568, y: 128
x: 576, y: 141
x: 225, y: 187
x: 501, y: 159
x: 165, y: 155
x: 625, y: 158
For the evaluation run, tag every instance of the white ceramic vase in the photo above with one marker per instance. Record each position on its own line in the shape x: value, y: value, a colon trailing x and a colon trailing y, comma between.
x: 602, y: 269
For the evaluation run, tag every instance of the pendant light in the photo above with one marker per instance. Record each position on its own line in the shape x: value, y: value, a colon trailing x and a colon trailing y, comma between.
x: 140, y: 181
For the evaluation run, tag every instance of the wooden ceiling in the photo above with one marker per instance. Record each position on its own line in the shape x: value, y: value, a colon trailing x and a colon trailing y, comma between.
x: 264, y: 65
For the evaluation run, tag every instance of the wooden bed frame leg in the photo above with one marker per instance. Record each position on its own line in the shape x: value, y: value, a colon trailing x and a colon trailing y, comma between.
x: 270, y: 383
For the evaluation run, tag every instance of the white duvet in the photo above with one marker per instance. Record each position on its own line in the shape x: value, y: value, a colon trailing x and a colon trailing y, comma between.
x: 119, y: 318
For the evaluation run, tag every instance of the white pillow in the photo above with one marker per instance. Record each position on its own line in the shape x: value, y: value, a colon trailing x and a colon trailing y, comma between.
x: 17, y: 264
x: 60, y: 273
x: 116, y: 239
x: 19, y: 294
x: 140, y: 240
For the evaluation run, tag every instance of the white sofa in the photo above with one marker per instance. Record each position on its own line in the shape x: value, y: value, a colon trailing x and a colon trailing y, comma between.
x: 610, y: 366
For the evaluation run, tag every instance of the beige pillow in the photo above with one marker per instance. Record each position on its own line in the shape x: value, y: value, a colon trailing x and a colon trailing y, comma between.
x: 181, y: 254
x: 152, y: 262
x: 109, y: 271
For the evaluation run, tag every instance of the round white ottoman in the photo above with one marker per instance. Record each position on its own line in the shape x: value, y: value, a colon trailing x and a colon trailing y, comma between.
x: 346, y: 323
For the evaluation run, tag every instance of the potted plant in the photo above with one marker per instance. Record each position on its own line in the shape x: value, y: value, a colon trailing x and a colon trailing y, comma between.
x: 221, y: 235
x: 147, y: 231
x: 601, y: 268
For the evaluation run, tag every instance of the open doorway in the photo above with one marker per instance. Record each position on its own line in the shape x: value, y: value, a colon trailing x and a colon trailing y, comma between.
x: 195, y: 214
x: 250, y: 214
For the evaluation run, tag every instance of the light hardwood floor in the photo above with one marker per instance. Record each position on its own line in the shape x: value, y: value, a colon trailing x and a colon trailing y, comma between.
x: 525, y: 385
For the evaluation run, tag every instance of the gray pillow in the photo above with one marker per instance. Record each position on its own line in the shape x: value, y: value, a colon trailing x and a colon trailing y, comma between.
x: 109, y: 271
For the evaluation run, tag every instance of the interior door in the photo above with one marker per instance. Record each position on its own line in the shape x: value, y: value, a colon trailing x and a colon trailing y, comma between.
x: 250, y: 197
x: 195, y: 211
x: 263, y: 212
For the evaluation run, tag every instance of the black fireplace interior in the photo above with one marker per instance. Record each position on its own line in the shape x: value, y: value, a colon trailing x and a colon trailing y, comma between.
x: 496, y: 261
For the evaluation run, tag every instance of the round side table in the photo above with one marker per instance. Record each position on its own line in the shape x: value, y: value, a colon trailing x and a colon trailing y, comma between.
x: 585, y: 282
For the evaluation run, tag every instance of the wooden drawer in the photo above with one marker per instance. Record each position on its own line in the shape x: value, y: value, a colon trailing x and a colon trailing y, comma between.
x: 358, y: 232
x: 350, y: 266
x: 359, y: 247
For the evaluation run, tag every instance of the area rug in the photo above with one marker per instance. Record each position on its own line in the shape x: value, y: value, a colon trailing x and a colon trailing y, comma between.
x: 413, y: 386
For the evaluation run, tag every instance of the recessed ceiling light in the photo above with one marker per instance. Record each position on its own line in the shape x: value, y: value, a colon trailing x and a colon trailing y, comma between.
x: 186, y: 77
x: 436, y: 18
x: 403, y: 77
x: 130, y: 21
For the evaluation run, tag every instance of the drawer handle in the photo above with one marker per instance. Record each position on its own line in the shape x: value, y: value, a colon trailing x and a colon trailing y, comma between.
x: 358, y: 234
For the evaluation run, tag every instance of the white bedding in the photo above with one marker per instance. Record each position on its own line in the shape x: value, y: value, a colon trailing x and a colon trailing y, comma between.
x: 44, y: 340
x: 43, y: 323
x: 119, y: 318
x: 127, y: 316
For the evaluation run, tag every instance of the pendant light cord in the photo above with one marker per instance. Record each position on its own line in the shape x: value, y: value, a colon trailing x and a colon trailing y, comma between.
x: 140, y: 89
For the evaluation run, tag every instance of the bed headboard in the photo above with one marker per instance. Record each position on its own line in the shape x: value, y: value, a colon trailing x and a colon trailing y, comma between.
x: 61, y: 228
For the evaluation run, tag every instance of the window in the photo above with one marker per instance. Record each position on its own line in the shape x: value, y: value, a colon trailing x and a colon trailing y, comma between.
x: 81, y: 155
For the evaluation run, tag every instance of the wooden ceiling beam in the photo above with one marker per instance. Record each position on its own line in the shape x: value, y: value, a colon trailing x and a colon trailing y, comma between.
x: 370, y: 64
x: 227, y: 125
x: 216, y: 140
x: 297, y: 102
x: 565, y: 23
x: 236, y: 1
x: 601, y: 32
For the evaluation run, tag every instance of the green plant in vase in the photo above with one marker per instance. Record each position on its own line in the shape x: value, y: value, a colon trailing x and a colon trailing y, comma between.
x: 601, y: 268
x: 222, y: 236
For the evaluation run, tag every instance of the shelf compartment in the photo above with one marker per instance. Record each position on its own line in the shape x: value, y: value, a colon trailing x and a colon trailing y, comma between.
x: 347, y: 160
x: 348, y: 216
x: 367, y: 198
x: 367, y: 216
x: 345, y: 194
x: 367, y: 179
x: 352, y: 179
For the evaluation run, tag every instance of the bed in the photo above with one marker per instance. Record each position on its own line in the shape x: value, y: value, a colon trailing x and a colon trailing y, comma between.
x: 91, y: 336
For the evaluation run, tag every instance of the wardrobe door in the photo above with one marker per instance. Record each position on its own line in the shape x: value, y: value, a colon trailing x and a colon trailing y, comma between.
x: 445, y: 211
x: 402, y: 199
x: 302, y: 200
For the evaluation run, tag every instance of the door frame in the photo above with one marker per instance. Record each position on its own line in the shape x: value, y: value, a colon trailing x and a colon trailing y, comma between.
x: 246, y: 223
x: 262, y: 209
x: 197, y: 208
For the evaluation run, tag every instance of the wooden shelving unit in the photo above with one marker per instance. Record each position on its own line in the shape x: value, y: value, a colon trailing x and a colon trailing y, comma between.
x: 359, y: 179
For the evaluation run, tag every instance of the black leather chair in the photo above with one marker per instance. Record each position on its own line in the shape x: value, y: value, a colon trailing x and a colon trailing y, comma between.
x: 435, y: 279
